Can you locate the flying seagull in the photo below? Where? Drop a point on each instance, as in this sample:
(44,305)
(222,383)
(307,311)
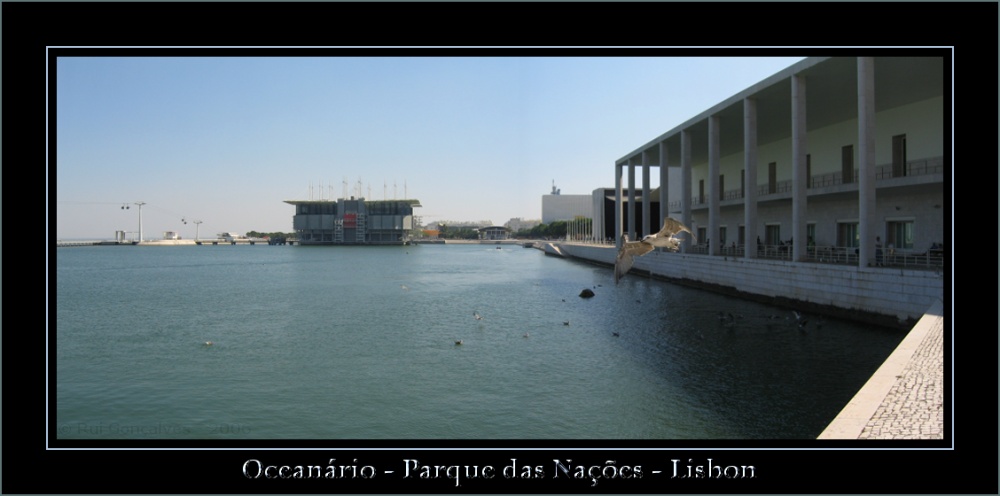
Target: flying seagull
(663,239)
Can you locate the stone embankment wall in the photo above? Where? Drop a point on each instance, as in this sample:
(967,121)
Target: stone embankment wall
(886,296)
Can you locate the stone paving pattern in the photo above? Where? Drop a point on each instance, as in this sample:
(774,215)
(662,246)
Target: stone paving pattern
(904,398)
(914,409)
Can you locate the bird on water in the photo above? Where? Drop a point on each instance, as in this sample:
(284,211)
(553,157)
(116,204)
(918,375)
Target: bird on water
(663,239)
(800,321)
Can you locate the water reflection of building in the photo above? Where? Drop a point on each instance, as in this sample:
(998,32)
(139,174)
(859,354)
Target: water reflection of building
(353,221)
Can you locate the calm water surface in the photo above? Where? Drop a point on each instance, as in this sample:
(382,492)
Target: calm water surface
(359,343)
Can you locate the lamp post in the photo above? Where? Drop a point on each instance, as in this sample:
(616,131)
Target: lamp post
(197,225)
(140,204)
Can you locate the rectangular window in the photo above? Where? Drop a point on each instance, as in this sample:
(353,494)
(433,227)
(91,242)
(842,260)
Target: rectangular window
(847,234)
(899,234)
(701,235)
(722,235)
(772,234)
(772,177)
(899,155)
(743,235)
(743,183)
(722,187)
(811,234)
(701,191)
(847,164)
(809,169)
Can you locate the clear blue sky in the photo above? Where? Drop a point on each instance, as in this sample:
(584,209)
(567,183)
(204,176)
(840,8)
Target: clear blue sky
(227,140)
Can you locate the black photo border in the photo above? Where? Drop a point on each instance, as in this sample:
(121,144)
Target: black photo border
(964,462)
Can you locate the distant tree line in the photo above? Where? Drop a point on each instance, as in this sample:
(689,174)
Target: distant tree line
(271,235)
(556,229)
(448,232)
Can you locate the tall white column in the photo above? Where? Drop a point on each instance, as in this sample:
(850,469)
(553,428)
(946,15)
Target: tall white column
(631,199)
(867,230)
(597,207)
(750,175)
(799,178)
(664,183)
(140,204)
(686,184)
(618,205)
(714,194)
(646,222)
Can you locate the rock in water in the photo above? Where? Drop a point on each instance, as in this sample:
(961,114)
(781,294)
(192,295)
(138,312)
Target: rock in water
(586,293)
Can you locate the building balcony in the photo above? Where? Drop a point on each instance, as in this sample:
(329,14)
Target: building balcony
(932,259)
(928,171)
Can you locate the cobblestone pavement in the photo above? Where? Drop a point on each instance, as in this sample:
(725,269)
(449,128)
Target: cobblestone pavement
(904,399)
(913,409)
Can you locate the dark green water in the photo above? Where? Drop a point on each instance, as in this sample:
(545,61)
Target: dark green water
(359,343)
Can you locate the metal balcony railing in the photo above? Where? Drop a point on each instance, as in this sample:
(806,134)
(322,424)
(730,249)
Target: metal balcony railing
(933,165)
(931,259)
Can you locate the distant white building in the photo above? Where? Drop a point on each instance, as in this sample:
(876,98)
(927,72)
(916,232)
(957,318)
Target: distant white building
(494,233)
(556,206)
(517,223)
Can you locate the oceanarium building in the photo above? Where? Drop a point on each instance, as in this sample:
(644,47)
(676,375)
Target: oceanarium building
(353,221)
(823,183)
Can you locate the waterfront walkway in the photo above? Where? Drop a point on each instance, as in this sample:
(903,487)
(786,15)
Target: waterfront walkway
(904,399)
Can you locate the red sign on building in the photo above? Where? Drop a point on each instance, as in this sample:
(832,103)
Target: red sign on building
(351,220)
